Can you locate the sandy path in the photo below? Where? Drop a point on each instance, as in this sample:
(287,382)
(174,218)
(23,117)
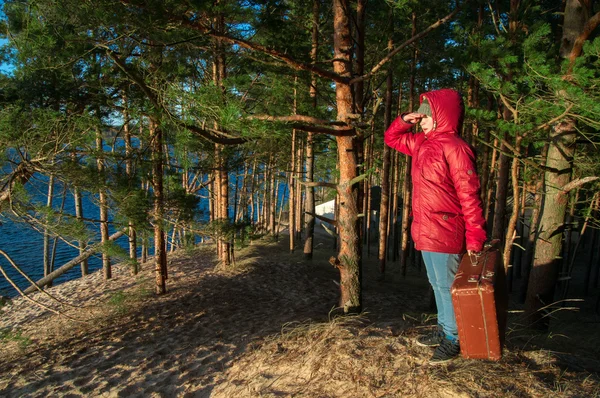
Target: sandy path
(262,329)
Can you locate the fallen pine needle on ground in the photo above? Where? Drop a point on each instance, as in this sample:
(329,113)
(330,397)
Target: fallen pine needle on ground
(267,327)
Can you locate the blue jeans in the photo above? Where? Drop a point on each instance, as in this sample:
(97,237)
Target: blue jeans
(441,269)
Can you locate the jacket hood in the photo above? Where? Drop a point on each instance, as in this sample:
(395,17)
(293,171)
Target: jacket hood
(447,110)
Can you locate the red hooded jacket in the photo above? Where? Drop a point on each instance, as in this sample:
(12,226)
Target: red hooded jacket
(447,210)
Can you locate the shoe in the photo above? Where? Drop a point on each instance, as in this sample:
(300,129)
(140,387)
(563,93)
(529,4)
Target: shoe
(447,351)
(432,339)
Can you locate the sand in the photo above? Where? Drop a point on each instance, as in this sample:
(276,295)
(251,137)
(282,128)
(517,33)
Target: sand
(262,328)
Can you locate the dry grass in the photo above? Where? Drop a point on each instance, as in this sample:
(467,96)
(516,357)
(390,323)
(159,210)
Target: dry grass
(265,328)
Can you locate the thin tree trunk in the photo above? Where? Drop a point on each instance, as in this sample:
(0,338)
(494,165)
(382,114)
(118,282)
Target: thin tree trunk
(299,196)
(46,232)
(406,186)
(518,252)
(292,195)
(384,205)
(130,176)
(310,211)
(272,198)
(396,195)
(514,217)
(490,186)
(90,251)
(106,266)
(160,249)
(79,216)
(309,220)
(251,193)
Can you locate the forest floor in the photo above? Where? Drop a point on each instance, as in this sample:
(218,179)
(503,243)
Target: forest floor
(265,328)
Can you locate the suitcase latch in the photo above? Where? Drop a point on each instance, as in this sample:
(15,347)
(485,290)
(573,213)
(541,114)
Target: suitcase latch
(474,278)
(489,274)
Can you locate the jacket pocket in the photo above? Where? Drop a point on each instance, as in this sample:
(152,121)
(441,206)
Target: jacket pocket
(447,227)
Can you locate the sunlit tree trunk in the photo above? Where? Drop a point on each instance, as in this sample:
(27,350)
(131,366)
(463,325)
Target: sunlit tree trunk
(348,260)
(309,214)
(160,247)
(544,273)
(103,203)
(46,248)
(130,176)
(79,216)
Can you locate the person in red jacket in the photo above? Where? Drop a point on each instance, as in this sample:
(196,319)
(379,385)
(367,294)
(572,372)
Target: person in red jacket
(446,206)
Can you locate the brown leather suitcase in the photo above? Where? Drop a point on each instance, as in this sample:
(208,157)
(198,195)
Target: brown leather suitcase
(480,300)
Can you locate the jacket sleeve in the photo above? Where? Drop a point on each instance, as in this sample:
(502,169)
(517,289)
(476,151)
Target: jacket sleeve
(398,136)
(461,162)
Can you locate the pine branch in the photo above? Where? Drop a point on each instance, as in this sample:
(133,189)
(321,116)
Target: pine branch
(21,175)
(311,124)
(589,27)
(298,65)
(322,218)
(37,303)
(577,183)
(338,132)
(297,118)
(413,39)
(216,136)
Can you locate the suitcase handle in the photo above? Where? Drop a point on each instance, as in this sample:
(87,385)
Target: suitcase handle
(487,246)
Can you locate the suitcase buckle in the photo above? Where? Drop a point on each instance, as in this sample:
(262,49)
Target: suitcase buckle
(474,278)
(475,258)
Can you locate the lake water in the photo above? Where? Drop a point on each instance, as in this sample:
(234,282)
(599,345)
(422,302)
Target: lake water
(25,245)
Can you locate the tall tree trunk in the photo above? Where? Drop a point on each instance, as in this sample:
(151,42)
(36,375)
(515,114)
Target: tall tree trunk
(358,99)
(384,205)
(544,272)
(160,248)
(546,265)
(272,197)
(348,260)
(534,228)
(501,193)
(292,195)
(254,176)
(511,230)
(224,246)
(299,194)
(309,213)
(406,185)
(503,160)
(399,164)
(106,266)
(309,219)
(222,204)
(130,177)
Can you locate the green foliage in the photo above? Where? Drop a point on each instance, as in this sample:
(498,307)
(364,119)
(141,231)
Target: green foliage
(121,301)
(117,302)
(15,335)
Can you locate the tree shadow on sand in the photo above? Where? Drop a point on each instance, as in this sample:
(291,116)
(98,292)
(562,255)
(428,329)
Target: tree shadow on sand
(212,319)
